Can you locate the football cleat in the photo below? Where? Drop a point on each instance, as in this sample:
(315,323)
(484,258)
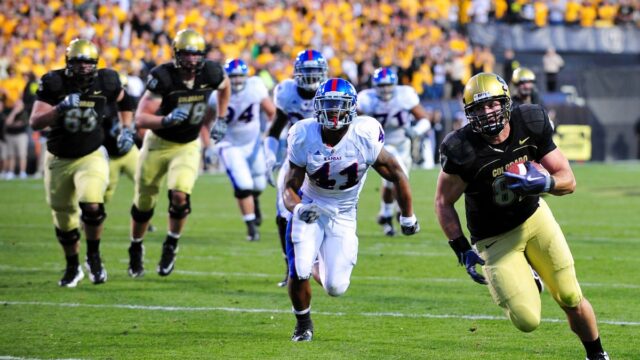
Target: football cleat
(72,276)
(151,228)
(136,260)
(538,280)
(284,281)
(252,231)
(167,260)
(302,333)
(599,356)
(387,225)
(97,272)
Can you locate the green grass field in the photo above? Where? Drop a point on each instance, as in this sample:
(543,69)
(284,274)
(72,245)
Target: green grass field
(408,299)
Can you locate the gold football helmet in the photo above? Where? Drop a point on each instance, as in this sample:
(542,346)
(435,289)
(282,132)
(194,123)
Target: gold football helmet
(480,93)
(522,74)
(82,61)
(189,50)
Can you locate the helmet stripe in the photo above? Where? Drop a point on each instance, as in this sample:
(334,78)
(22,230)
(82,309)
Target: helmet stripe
(310,54)
(334,84)
(384,72)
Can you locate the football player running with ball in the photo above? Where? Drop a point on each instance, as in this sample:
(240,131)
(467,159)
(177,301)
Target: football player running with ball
(510,224)
(329,156)
(174,107)
(72,103)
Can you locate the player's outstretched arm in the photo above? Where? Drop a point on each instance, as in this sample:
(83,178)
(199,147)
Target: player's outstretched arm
(224,94)
(292,182)
(148,106)
(387,166)
(448,190)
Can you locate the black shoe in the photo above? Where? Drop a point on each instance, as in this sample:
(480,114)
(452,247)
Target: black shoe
(151,228)
(387,225)
(168,259)
(72,276)
(252,231)
(302,333)
(136,260)
(599,356)
(538,280)
(97,272)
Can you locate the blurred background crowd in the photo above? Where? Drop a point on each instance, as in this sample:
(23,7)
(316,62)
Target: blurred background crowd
(427,41)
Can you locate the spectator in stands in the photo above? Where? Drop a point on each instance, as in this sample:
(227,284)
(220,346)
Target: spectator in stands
(17,134)
(552,63)
(625,12)
(557,9)
(509,65)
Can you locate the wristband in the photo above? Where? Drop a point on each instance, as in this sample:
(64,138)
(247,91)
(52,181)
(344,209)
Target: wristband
(460,245)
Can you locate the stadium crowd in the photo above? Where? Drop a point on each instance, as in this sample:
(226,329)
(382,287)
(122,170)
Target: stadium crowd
(424,40)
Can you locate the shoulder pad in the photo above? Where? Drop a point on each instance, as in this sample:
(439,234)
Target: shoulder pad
(110,79)
(213,73)
(455,148)
(407,96)
(369,128)
(533,117)
(159,78)
(52,81)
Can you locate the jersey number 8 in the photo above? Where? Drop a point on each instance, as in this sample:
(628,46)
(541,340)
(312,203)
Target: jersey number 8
(196,111)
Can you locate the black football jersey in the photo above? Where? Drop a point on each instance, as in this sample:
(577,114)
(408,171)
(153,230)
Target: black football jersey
(492,208)
(79,131)
(165,80)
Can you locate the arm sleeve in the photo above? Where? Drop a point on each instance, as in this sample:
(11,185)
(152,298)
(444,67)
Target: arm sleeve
(127,103)
(157,82)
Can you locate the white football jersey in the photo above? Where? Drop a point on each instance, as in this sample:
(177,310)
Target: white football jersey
(335,175)
(287,99)
(244,112)
(394,115)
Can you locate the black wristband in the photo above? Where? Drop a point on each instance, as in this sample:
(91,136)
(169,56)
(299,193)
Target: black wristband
(460,245)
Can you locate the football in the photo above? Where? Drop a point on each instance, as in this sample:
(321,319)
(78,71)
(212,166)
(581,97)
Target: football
(520,169)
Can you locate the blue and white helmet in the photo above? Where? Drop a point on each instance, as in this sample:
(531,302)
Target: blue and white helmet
(385,81)
(310,69)
(335,103)
(237,71)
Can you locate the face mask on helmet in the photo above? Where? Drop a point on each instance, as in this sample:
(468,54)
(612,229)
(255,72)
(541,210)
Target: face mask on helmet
(335,104)
(189,51)
(237,71)
(82,62)
(385,81)
(488,117)
(487,103)
(310,69)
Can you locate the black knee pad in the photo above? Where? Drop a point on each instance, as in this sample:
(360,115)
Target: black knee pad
(68,238)
(140,216)
(242,194)
(179,211)
(90,216)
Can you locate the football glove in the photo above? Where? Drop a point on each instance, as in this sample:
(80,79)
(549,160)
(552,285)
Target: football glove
(175,117)
(219,129)
(69,102)
(124,141)
(409,225)
(534,182)
(209,155)
(468,257)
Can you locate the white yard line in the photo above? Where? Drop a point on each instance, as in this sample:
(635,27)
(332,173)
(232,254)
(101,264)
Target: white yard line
(281,311)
